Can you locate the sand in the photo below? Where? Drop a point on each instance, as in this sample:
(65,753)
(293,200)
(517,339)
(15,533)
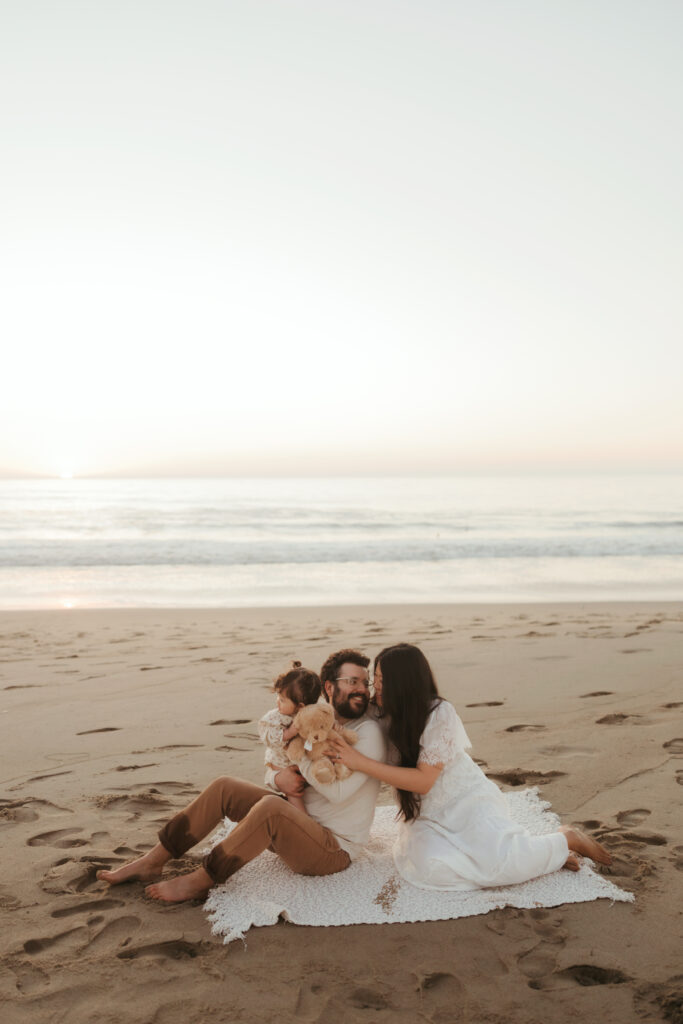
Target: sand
(112,720)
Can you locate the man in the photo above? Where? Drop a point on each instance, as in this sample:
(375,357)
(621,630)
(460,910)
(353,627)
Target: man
(322,841)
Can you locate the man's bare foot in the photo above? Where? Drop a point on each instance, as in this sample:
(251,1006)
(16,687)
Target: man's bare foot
(579,842)
(184,887)
(572,863)
(144,869)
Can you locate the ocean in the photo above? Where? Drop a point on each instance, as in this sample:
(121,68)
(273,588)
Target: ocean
(274,542)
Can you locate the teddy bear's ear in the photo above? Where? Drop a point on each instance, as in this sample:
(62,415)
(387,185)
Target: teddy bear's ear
(327,716)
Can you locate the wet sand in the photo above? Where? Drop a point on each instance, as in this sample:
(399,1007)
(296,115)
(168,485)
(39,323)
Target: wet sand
(113,720)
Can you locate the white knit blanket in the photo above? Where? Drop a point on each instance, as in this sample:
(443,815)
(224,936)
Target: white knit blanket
(371,892)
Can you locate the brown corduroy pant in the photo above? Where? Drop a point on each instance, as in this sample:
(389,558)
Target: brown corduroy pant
(265,822)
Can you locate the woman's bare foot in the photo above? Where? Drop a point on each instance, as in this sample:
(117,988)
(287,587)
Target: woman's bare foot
(579,842)
(572,863)
(144,869)
(184,887)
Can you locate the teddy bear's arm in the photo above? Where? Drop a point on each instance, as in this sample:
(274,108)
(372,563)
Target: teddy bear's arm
(295,749)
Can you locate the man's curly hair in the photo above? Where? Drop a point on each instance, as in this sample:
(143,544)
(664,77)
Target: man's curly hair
(328,673)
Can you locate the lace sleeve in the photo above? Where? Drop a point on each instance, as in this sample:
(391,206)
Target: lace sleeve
(444,737)
(271,727)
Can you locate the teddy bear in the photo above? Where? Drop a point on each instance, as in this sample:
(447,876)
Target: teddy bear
(314,723)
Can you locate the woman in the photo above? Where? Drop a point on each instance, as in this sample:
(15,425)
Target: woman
(455,830)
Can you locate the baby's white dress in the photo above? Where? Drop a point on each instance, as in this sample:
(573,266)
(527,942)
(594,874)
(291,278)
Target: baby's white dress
(464,837)
(270,730)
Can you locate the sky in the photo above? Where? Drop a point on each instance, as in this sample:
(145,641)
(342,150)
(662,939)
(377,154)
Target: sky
(350,236)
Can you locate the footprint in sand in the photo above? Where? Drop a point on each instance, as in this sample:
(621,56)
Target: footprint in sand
(661,1000)
(598,693)
(564,751)
(106,728)
(60,839)
(673,704)
(171,788)
(114,935)
(179,746)
(135,767)
(174,949)
(633,817)
(525,728)
(231,721)
(367,999)
(87,907)
(313,999)
(627,849)
(486,704)
(615,719)
(520,777)
(591,974)
(135,802)
(30,978)
(548,925)
(72,939)
(642,838)
(28,809)
(440,987)
(9,902)
(626,866)
(136,805)
(71,876)
(140,799)
(49,775)
(677,857)
(489,964)
(537,964)
(674,746)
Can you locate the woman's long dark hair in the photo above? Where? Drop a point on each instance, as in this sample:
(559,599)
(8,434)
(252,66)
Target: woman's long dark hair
(408,693)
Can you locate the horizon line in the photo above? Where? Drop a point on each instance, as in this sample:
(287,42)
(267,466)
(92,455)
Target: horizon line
(414,475)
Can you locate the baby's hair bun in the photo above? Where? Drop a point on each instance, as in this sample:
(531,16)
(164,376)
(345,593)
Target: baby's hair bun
(296,664)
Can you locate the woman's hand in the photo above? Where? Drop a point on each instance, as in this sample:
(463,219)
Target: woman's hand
(342,752)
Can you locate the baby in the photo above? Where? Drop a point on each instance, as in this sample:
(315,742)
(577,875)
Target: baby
(294,689)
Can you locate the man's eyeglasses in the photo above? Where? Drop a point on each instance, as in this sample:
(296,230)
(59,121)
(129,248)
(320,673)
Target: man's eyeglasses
(367,683)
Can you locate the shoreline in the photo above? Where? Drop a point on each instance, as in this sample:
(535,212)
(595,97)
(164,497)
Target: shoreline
(115,718)
(366,607)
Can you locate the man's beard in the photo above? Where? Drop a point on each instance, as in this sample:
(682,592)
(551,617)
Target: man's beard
(348,709)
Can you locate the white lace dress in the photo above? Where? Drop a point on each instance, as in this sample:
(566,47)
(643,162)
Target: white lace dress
(464,838)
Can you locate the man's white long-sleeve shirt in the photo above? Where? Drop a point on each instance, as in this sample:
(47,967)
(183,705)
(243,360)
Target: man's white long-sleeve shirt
(347,807)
